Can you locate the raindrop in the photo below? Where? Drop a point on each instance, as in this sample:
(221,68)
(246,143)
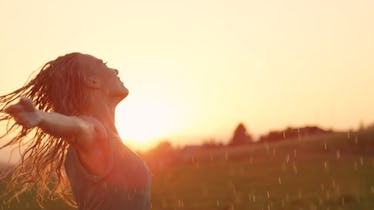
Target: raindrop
(288,158)
(180,203)
(324,145)
(268,194)
(279,180)
(372,189)
(226,155)
(361,161)
(294,168)
(337,154)
(217,202)
(325,165)
(356,140)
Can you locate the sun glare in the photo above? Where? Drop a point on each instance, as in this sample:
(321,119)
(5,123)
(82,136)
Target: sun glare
(142,124)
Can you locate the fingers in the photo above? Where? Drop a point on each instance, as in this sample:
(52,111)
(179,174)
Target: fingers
(24,104)
(27,103)
(13,109)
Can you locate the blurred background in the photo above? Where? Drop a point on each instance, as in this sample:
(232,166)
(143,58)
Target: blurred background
(233,77)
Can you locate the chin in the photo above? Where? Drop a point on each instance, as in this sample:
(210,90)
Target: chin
(124,93)
(119,94)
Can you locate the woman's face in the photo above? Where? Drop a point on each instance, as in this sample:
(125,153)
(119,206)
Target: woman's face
(106,78)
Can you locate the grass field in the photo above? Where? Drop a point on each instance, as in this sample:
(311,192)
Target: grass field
(335,171)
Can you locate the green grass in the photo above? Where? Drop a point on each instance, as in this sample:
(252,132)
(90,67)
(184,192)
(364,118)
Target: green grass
(324,172)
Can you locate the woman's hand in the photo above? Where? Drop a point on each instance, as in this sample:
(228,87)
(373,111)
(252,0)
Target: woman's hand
(24,113)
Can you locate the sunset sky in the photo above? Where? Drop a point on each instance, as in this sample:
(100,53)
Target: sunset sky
(197,68)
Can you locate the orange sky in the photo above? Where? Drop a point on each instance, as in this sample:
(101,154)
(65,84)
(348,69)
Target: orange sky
(197,68)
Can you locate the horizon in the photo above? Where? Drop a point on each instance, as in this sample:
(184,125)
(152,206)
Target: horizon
(11,155)
(196,69)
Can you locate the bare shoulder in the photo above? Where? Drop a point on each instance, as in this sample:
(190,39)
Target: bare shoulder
(95,134)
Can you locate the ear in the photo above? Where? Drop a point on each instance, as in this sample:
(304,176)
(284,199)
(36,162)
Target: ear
(92,82)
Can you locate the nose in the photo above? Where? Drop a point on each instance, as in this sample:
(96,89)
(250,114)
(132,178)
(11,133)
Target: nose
(115,71)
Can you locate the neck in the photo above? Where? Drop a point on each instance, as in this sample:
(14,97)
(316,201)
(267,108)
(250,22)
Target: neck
(105,113)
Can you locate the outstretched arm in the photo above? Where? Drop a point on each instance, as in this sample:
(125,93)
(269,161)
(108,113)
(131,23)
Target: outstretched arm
(59,125)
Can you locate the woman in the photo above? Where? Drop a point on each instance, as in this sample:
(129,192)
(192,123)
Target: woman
(72,123)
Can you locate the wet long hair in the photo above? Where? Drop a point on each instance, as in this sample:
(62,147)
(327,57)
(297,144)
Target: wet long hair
(57,87)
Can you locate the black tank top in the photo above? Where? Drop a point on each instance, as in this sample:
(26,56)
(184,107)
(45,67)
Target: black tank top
(124,186)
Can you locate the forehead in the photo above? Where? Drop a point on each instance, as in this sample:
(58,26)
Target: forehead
(90,63)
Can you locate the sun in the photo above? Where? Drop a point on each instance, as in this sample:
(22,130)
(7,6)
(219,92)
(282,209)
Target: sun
(141,124)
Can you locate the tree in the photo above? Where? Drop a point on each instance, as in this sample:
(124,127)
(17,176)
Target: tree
(240,136)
